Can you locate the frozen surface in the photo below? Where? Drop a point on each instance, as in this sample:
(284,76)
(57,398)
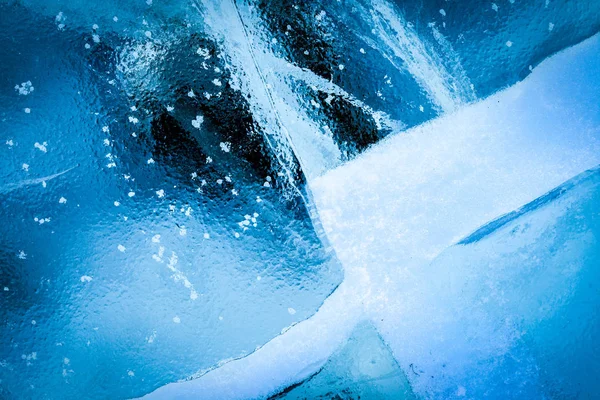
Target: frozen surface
(512,307)
(364,368)
(136,241)
(392,211)
(159,162)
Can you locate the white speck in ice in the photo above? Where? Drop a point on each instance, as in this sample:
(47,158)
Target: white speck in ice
(43,183)
(95,26)
(258,278)
(509,43)
(150,161)
(203,52)
(196,123)
(6,289)
(225,146)
(27,110)
(41,146)
(176,319)
(33,322)
(220,318)
(133,120)
(87,46)
(25,88)
(421,109)
(131,194)
(291,311)
(362,50)
(550,26)
(148,34)
(96,38)
(121,248)
(206,236)
(105,129)
(25,167)
(495,7)
(66,361)
(220,181)
(22,255)
(115,18)
(152,337)
(237,235)
(183,231)
(443,12)
(117,204)
(234,192)
(85,278)
(191,93)
(160,193)
(266,184)
(461,391)
(156,238)
(130,373)
(209,160)
(10,143)
(320,15)
(216,82)
(62,200)
(341,67)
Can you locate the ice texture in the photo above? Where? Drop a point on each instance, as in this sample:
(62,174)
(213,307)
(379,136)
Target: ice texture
(165,168)
(390,213)
(364,368)
(136,250)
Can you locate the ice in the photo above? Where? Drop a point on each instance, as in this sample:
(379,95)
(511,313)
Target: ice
(513,305)
(140,245)
(194,145)
(390,214)
(364,368)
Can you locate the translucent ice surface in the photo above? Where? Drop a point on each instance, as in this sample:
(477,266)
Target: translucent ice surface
(364,368)
(144,238)
(392,213)
(246,198)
